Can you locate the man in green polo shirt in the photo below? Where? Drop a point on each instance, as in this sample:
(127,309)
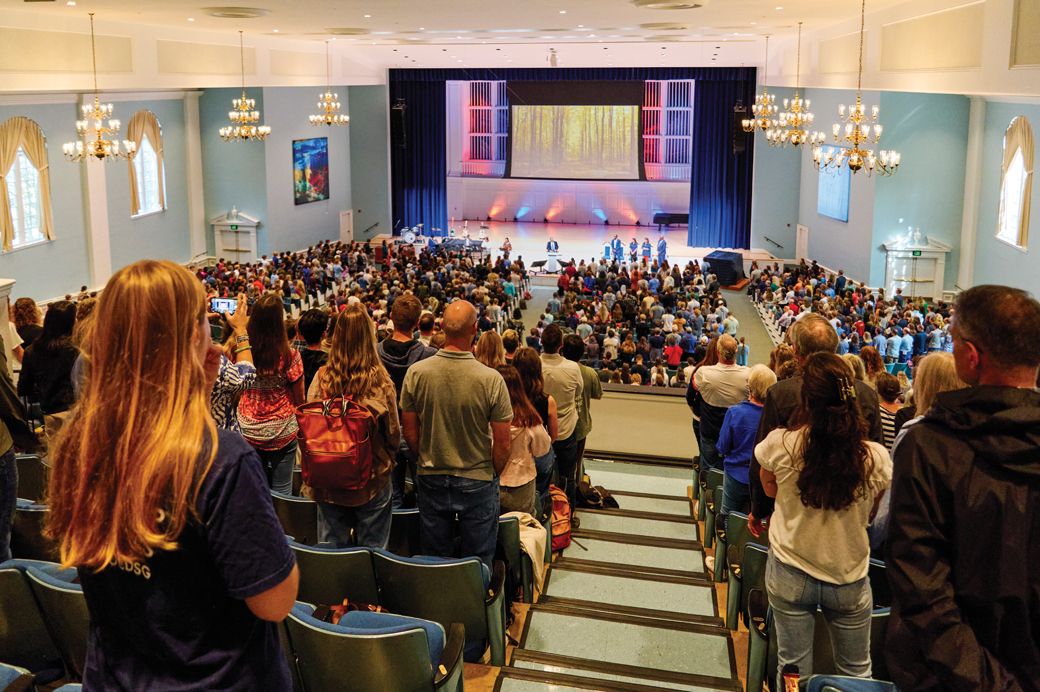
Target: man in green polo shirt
(455,411)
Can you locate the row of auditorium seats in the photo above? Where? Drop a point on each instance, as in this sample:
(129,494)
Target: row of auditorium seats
(740,561)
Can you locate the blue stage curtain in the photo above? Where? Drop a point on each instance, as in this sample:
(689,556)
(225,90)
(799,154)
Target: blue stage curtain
(419,189)
(720,189)
(721,181)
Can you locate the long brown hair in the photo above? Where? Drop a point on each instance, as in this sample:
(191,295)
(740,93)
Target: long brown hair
(129,463)
(872,362)
(267,335)
(529,365)
(354,368)
(524,414)
(836,461)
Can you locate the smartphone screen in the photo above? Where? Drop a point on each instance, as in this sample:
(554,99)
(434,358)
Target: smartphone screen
(223,305)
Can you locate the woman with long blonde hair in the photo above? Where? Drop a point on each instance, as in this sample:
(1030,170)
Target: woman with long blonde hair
(180,554)
(490,350)
(355,371)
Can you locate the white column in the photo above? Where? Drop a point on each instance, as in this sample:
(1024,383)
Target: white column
(99,247)
(196,194)
(972,190)
(5,292)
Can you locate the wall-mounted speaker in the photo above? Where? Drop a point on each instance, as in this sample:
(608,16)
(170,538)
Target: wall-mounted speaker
(398,122)
(738,135)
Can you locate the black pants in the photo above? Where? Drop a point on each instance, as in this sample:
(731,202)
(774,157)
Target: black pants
(567,465)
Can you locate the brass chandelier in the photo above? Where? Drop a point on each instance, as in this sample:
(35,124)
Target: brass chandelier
(244,116)
(98,130)
(764,110)
(328,102)
(793,123)
(858,132)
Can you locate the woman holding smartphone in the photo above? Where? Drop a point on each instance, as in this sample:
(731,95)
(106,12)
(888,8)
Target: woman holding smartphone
(183,563)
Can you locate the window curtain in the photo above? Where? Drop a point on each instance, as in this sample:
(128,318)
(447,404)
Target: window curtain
(141,124)
(720,182)
(1019,135)
(23,132)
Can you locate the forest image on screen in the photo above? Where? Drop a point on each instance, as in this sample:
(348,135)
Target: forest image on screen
(586,142)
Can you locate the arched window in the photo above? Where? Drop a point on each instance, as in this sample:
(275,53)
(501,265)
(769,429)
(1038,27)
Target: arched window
(147,173)
(1016,183)
(25,208)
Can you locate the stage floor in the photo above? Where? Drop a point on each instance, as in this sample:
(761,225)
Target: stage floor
(580,242)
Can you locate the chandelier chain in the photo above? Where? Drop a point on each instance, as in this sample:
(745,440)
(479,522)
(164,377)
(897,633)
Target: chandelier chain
(798,61)
(93,52)
(242,60)
(862,24)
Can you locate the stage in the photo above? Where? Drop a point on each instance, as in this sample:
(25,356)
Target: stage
(579,241)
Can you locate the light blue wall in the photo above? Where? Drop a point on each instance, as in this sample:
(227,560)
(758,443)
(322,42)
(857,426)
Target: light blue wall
(157,236)
(927,191)
(775,194)
(58,267)
(292,227)
(369,159)
(832,243)
(233,173)
(995,261)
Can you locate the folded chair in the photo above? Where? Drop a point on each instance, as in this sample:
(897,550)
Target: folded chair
(448,590)
(24,639)
(404,532)
(518,563)
(328,575)
(27,539)
(375,651)
(32,477)
(65,612)
(737,538)
(299,517)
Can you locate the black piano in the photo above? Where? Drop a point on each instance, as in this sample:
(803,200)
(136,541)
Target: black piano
(666,219)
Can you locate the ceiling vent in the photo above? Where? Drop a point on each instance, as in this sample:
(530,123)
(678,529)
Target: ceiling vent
(664,26)
(347,31)
(235,12)
(670,4)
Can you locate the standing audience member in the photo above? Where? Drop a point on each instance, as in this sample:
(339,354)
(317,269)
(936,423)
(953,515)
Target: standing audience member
(354,371)
(592,388)
(47,367)
(528,439)
(962,553)
(183,563)
(737,440)
(267,411)
(456,418)
(872,364)
(809,335)
(489,349)
(311,327)
(510,342)
(237,372)
(529,365)
(888,390)
(934,374)
(27,320)
(720,386)
(564,382)
(827,478)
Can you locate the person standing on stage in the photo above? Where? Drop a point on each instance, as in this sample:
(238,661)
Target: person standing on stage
(662,250)
(507,247)
(618,248)
(633,250)
(647,250)
(552,245)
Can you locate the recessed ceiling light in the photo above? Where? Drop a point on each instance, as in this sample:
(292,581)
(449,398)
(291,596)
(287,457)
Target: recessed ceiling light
(71,3)
(190,19)
(563,11)
(779,7)
(581,26)
(458,61)
(754,23)
(235,12)
(368,16)
(422,28)
(275,30)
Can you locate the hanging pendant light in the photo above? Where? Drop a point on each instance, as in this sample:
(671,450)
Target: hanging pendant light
(244,116)
(764,110)
(98,130)
(795,119)
(328,102)
(856,131)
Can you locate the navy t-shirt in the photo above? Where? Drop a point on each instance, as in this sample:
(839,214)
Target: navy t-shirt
(178,620)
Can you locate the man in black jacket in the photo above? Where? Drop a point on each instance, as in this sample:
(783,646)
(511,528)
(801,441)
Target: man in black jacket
(963,550)
(811,334)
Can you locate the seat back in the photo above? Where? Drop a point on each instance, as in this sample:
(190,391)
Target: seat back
(15,679)
(509,547)
(333,658)
(753,566)
(737,536)
(299,517)
(404,532)
(32,477)
(444,591)
(24,639)
(879,586)
(842,683)
(328,575)
(878,631)
(713,478)
(27,539)
(65,612)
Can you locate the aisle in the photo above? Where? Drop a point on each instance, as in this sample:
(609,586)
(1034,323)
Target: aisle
(629,602)
(751,327)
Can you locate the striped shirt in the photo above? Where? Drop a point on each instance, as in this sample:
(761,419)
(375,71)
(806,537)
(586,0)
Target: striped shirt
(888,427)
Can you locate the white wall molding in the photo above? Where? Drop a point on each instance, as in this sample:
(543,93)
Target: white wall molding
(973,175)
(95,200)
(197,226)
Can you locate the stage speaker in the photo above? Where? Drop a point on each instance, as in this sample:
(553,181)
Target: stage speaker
(398,120)
(737,129)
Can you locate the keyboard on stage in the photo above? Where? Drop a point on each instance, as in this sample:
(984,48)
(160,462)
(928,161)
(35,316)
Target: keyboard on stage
(665,219)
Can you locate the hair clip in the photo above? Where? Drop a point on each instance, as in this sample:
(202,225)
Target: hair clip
(846,390)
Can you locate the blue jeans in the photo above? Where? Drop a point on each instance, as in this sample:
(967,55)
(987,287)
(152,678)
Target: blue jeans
(371,521)
(473,504)
(710,457)
(736,497)
(794,597)
(8,500)
(278,465)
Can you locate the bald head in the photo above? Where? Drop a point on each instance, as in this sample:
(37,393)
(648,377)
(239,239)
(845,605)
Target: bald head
(459,324)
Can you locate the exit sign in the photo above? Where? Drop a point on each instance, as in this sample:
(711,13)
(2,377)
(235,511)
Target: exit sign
(915,253)
(234,227)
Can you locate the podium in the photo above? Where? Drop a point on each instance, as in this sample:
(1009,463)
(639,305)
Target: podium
(552,263)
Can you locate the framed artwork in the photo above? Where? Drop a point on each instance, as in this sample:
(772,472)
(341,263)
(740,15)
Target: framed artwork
(310,170)
(833,192)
